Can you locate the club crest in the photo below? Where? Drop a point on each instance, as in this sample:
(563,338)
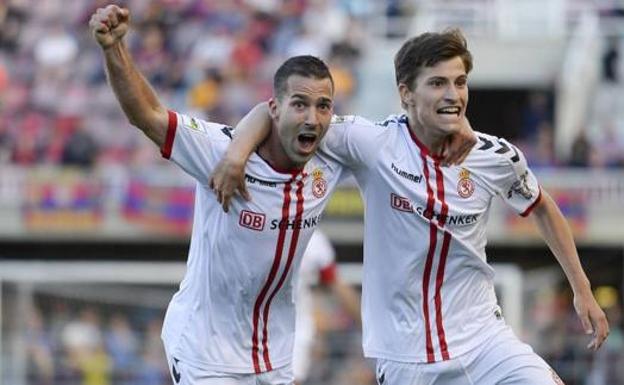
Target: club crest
(465,185)
(319,185)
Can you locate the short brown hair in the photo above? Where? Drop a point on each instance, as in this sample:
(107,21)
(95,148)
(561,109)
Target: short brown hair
(426,50)
(304,65)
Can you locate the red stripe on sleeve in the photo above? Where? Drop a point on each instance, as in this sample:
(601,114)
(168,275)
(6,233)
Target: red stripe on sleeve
(526,212)
(327,274)
(165,151)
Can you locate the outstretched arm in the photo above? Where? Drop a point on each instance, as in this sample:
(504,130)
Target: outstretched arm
(229,175)
(137,99)
(554,228)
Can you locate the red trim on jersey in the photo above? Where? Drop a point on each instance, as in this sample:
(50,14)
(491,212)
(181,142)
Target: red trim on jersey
(440,184)
(526,212)
(430,201)
(276,262)
(165,151)
(291,256)
(327,274)
(293,170)
(438,295)
(421,145)
(425,288)
(429,262)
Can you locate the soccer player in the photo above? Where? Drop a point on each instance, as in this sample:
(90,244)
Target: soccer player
(233,319)
(429,310)
(317,266)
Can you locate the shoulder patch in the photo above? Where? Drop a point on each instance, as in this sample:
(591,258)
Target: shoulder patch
(337,119)
(192,123)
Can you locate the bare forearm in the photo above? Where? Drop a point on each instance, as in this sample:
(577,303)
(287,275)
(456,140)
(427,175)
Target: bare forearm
(137,99)
(556,232)
(250,132)
(349,299)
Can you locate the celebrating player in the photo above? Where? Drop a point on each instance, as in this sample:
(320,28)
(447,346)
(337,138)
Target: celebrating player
(318,265)
(233,318)
(429,310)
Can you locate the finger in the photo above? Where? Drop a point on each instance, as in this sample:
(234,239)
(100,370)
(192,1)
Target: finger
(112,19)
(97,24)
(587,326)
(123,14)
(243,192)
(226,205)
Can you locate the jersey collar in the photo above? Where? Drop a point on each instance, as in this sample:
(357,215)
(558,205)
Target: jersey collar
(421,146)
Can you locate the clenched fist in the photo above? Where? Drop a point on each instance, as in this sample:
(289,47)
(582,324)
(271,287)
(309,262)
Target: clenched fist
(109,25)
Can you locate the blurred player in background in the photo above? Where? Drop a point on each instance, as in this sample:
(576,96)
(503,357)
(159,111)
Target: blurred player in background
(233,319)
(429,309)
(317,266)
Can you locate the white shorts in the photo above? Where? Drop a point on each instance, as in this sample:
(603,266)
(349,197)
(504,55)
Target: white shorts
(502,360)
(183,374)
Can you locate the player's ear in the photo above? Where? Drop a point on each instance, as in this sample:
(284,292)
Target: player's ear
(274,108)
(406,95)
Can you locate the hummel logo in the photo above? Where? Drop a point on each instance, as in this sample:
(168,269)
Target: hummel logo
(176,374)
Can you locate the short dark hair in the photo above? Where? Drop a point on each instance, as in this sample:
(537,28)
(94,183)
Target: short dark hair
(427,50)
(304,65)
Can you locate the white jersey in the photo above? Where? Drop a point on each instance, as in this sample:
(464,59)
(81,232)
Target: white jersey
(428,292)
(234,311)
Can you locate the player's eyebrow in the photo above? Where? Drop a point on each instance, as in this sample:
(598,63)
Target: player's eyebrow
(322,99)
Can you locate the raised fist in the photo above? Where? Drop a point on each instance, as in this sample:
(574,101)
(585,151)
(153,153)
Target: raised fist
(109,25)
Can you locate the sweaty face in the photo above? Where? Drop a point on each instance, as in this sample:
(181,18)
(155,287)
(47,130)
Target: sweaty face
(438,98)
(302,116)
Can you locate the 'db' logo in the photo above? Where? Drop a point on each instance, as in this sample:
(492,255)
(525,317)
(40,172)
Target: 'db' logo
(252,220)
(400,203)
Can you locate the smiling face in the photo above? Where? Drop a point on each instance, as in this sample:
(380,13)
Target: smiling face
(301,116)
(436,101)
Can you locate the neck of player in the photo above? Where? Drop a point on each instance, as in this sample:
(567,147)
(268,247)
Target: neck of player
(432,139)
(272,151)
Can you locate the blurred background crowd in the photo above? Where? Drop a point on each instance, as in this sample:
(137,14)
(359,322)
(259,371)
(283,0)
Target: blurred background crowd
(214,59)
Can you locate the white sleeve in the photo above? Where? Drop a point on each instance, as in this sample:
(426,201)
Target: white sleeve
(195,145)
(509,175)
(351,140)
(320,251)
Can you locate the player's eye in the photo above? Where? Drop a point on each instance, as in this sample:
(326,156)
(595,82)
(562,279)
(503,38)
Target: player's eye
(324,107)
(436,82)
(298,104)
(461,82)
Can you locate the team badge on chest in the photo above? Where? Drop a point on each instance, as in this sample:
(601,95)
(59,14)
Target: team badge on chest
(319,185)
(465,185)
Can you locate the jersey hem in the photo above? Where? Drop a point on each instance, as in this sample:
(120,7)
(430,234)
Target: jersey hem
(453,352)
(237,369)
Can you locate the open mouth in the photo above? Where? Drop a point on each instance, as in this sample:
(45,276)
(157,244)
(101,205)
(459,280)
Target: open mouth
(454,110)
(307,140)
